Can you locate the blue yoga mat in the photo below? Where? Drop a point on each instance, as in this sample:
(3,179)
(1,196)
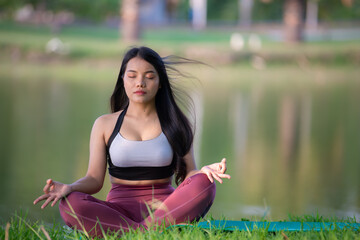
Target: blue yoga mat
(225,225)
(277,226)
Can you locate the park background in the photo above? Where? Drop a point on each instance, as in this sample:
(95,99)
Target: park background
(280,99)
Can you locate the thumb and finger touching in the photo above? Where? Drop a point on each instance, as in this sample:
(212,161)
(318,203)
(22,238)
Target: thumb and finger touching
(52,192)
(49,184)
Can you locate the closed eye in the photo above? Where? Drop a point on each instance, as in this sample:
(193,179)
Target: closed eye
(131,76)
(150,76)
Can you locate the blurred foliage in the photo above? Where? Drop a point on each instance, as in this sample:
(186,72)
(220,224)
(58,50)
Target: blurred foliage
(96,10)
(336,10)
(271,10)
(224,10)
(267,10)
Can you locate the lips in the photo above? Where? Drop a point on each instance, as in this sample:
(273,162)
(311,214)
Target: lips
(140,92)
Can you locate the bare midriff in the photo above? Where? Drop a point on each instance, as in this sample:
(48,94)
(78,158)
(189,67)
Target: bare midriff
(138,182)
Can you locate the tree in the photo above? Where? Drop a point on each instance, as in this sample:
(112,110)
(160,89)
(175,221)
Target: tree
(199,13)
(312,13)
(129,13)
(245,11)
(293,20)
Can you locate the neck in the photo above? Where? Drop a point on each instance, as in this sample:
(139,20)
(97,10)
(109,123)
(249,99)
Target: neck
(141,110)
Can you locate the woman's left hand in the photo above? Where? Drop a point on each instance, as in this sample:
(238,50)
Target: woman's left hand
(216,170)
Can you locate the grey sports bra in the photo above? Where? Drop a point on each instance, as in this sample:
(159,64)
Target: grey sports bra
(138,160)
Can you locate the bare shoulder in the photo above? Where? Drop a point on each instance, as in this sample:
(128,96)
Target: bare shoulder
(107,120)
(106,123)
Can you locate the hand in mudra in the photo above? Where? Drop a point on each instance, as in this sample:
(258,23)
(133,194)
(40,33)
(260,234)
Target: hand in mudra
(216,170)
(53,191)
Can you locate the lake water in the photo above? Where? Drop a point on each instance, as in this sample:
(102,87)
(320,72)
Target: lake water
(291,136)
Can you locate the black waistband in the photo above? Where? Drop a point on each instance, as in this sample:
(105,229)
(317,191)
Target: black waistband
(141,173)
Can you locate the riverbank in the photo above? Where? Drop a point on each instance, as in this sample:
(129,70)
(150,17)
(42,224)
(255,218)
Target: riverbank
(39,44)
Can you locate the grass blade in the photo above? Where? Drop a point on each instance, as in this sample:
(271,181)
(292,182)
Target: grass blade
(45,232)
(28,225)
(7,231)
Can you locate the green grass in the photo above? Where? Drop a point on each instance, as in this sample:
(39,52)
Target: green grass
(20,227)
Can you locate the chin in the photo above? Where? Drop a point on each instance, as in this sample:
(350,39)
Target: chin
(141,101)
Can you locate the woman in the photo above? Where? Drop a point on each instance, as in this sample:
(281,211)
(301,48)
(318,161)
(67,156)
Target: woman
(145,140)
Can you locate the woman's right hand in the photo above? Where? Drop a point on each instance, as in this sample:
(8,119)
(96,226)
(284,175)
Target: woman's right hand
(53,191)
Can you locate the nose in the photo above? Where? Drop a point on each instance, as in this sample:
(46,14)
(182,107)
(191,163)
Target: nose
(141,83)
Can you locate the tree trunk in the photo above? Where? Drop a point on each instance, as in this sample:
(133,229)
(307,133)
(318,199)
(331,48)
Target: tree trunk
(312,14)
(293,20)
(245,10)
(199,10)
(171,6)
(130,27)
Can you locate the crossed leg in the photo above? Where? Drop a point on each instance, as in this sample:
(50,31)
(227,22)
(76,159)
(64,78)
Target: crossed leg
(86,213)
(190,201)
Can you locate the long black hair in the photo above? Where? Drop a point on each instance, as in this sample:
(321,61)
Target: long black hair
(173,121)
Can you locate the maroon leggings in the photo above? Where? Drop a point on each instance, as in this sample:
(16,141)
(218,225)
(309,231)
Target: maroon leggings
(131,207)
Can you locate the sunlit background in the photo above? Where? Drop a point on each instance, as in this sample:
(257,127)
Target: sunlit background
(280,99)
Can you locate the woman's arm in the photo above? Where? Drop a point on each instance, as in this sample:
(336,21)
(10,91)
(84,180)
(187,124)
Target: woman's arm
(94,178)
(190,163)
(215,170)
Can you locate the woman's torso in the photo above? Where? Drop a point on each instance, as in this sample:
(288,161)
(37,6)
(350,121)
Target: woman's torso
(136,132)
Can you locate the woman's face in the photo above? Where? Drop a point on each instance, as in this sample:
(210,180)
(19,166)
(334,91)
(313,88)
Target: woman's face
(141,81)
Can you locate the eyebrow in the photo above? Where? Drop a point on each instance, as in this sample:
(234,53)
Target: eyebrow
(150,71)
